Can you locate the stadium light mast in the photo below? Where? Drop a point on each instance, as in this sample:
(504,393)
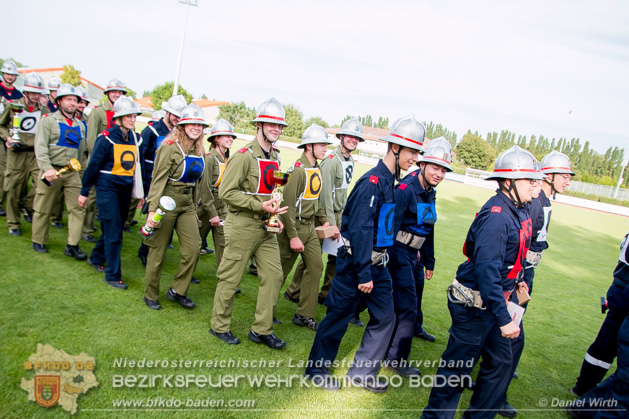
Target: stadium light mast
(188,3)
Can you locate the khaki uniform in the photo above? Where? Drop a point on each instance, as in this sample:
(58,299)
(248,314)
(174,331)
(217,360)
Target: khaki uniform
(336,172)
(244,188)
(56,143)
(100,119)
(211,204)
(301,195)
(178,176)
(20,162)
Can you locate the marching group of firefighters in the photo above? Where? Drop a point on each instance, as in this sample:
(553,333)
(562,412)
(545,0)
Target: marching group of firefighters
(380,237)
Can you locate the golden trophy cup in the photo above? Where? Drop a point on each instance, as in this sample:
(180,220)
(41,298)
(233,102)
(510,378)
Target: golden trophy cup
(166,203)
(17,109)
(73,166)
(279,179)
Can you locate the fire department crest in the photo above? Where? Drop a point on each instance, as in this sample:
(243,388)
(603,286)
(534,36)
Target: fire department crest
(47,389)
(60,378)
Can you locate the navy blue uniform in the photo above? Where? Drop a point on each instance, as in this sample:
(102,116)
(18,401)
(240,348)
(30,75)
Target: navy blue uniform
(110,169)
(496,246)
(152,137)
(52,106)
(600,355)
(611,398)
(10,94)
(415,213)
(540,210)
(368,224)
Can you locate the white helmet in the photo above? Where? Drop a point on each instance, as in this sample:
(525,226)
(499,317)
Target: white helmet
(192,114)
(352,127)
(438,152)
(407,132)
(175,105)
(115,84)
(126,106)
(556,162)
(54,84)
(34,83)
(516,163)
(314,134)
(271,111)
(157,115)
(67,90)
(220,128)
(9,67)
(83,93)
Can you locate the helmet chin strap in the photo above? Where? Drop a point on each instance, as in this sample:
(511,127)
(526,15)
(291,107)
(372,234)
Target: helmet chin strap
(397,162)
(264,135)
(427,186)
(508,191)
(552,185)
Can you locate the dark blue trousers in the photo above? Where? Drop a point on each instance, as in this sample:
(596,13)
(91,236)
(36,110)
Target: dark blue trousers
(401,266)
(418,273)
(600,355)
(113,202)
(611,398)
(473,332)
(342,301)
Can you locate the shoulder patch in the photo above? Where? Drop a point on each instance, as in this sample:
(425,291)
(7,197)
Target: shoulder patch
(105,133)
(45,115)
(297,164)
(331,156)
(402,186)
(414,173)
(277,150)
(496,209)
(169,142)
(373,179)
(242,150)
(151,123)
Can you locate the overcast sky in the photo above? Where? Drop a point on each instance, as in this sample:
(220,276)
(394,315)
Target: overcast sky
(479,65)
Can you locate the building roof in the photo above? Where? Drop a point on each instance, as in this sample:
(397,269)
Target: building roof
(144,102)
(27,70)
(206,103)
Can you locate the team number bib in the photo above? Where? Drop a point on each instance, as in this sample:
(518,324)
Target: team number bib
(124,160)
(265,176)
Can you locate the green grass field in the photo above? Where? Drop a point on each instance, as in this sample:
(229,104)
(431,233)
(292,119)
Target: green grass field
(53,299)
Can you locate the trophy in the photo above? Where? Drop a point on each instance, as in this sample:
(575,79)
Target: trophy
(73,166)
(17,109)
(278,178)
(166,203)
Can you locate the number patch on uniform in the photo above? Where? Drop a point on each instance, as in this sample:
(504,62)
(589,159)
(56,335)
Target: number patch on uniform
(313,183)
(124,160)
(69,136)
(265,174)
(384,237)
(426,218)
(221,170)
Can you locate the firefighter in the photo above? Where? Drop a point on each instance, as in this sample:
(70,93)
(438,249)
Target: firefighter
(477,298)
(362,277)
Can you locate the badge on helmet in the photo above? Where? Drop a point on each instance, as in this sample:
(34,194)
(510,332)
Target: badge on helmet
(438,152)
(192,114)
(34,83)
(352,127)
(271,111)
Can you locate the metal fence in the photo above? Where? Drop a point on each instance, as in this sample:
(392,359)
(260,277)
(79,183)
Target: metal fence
(598,190)
(575,186)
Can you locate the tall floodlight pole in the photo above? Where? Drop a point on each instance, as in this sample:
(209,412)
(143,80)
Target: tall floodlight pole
(620,179)
(188,3)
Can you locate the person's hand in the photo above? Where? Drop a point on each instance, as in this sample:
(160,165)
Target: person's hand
(366,287)
(82,201)
(428,274)
(9,142)
(296,245)
(149,220)
(419,256)
(141,203)
(50,175)
(337,233)
(281,225)
(272,206)
(215,221)
(522,285)
(510,330)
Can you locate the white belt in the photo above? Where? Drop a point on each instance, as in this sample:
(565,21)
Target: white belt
(460,294)
(377,258)
(410,239)
(533,259)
